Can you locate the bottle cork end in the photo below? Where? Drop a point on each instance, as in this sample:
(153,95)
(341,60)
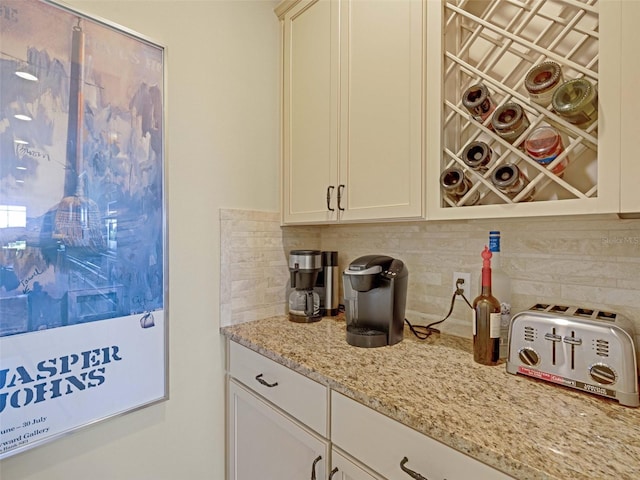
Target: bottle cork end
(486,257)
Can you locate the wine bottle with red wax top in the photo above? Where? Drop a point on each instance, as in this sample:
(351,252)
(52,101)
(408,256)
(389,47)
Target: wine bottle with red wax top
(486,319)
(501,289)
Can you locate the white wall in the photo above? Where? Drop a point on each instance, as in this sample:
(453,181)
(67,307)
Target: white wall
(222,141)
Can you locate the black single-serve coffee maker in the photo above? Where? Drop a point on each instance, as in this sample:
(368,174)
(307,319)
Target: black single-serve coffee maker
(375,295)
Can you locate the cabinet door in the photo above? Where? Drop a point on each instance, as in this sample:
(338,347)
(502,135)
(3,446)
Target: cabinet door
(629,193)
(345,469)
(263,443)
(310,112)
(381,108)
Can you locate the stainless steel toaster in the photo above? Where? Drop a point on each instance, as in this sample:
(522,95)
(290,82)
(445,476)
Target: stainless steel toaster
(589,350)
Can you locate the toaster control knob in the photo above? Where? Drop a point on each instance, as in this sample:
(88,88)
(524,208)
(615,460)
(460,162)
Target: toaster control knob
(529,356)
(603,374)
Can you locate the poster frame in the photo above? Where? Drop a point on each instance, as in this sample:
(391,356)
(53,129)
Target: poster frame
(144,318)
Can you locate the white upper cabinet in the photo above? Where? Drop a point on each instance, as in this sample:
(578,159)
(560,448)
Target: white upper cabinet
(352,110)
(310,112)
(630,124)
(496,44)
(373,95)
(381,98)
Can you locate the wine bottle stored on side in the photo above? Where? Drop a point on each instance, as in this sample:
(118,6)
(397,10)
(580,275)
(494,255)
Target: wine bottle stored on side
(486,319)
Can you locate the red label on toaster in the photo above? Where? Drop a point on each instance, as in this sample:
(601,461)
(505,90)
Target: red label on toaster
(549,377)
(567,382)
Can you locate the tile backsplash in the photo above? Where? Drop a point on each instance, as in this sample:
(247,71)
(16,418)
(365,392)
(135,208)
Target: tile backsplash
(253,264)
(591,261)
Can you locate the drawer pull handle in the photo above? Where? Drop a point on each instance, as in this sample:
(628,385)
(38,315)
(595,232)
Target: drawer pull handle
(264,382)
(340,190)
(411,473)
(313,467)
(333,472)
(329,190)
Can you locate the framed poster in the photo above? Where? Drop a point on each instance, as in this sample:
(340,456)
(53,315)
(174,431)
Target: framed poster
(83,222)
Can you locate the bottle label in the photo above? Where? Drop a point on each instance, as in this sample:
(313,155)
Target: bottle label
(546,160)
(579,118)
(474,323)
(494,242)
(494,324)
(543,98)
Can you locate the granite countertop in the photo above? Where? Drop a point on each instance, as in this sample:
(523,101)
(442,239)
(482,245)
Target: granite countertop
(527,428)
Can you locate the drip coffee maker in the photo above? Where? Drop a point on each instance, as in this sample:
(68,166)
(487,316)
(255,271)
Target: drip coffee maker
(304,302)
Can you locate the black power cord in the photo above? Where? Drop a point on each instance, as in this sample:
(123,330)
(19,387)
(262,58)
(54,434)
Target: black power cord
(424,331)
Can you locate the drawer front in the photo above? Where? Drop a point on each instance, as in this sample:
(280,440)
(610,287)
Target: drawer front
(294,393)
(381,443)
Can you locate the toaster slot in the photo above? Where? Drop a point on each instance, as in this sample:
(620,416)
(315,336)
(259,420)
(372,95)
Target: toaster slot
(540,306)
(559,308)
(611,317)
(584,312)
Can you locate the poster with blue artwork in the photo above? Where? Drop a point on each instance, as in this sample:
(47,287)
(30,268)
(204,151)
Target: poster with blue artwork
(83,259)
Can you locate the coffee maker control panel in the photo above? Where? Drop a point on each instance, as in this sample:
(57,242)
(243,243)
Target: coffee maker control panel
(394,269)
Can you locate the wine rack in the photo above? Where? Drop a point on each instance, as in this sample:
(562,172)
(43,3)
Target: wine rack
(496,42)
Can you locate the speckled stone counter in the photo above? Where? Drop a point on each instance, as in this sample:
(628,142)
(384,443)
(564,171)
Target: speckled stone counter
(526,428)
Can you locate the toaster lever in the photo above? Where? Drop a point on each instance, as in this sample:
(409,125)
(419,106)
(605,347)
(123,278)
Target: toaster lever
(573,340)
(553,337)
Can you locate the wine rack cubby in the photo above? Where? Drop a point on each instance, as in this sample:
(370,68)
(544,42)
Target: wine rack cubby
(496,43)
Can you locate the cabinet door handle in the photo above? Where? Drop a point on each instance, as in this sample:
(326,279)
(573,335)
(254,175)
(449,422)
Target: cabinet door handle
(313,467)
(411,473)
(340,190)
(333,472)
(264,382)
(329,191)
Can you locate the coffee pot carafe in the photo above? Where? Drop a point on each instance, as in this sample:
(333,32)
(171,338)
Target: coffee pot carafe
(304,302)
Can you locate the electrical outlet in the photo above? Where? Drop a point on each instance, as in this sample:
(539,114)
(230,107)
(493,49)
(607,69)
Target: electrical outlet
(466,285)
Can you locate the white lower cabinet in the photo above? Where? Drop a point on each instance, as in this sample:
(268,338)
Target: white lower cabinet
(263,443)
(396,451)
(278,429)
(276,420)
